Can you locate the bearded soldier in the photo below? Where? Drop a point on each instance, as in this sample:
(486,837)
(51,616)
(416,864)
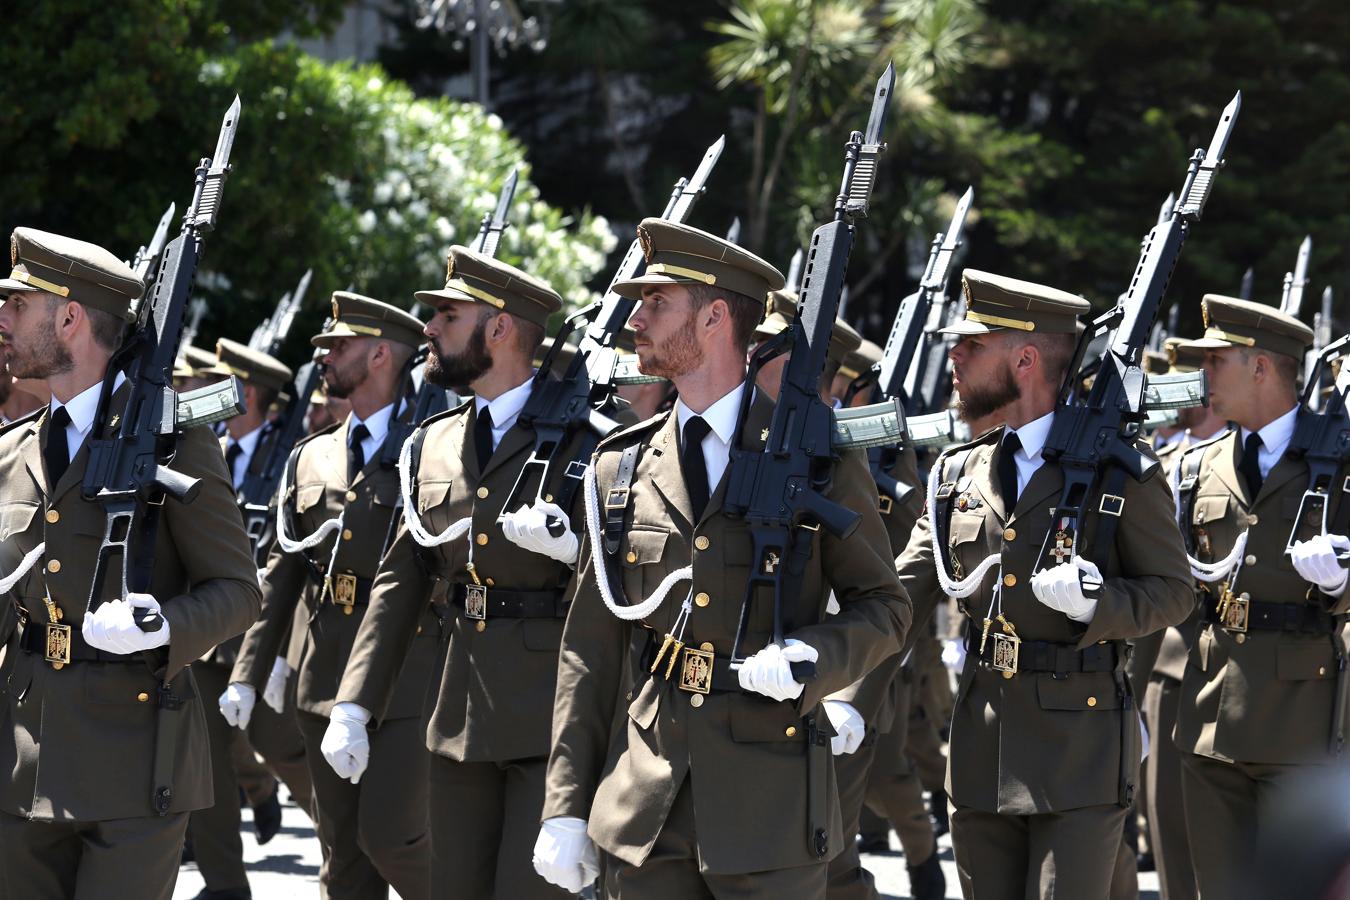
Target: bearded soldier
(337,502)
(78,735)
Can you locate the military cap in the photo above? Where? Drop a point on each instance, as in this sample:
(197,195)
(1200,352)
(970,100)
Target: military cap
(197,359)
(358,316)
(477,278)
(1233,322)
(779,312)
(1183,355)
(249,365)
(861,360)
(998,303)
(73,269)
(679,254)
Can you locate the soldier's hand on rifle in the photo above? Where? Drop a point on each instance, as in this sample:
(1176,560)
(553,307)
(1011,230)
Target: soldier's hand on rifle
(274,694)
(564,856)
(769,672)
(529,529)
(849,727)
(1316,562)
(346,744)
(954,654)
(236,704)
(1065,588)
(112,627)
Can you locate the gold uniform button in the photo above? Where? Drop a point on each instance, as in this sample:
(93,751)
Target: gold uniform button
(489,582)
(1250,560)
(53,517)
(631,557)
(702,599)
(1092,701)
(346,534)
(1009,674)
(480,625)
(482,493)
(696,701)
(702,542)
(54,566)
(1240,638)
(1009,580)
(1251,520)
(628,696)
(1244,596)
(419,629)
(482,540)
(791,731)
(1321,670)
(1010,534)
(143,696)
(351,496)
(706,645)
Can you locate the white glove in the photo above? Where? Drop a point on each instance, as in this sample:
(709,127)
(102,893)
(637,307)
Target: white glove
(848,726)
(236,704)
(345,744)
(954,654)
(564,856)
(1315,562)
(769,672)
(527,528)
(1061,588)
(274,694)
(112,627)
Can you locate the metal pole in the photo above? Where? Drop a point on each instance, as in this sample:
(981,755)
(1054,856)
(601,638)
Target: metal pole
(478,54)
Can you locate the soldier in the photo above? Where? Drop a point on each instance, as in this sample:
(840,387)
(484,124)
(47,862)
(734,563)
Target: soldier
(499,579)
(338,500)
(652,729)
(1044,738)
(1258,691)
(214,832)
(78,735)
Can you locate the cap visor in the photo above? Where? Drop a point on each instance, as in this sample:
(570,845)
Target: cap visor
(632,288)
(1208,343)
(339,330)
(13,285)
(430,297)
(966,327)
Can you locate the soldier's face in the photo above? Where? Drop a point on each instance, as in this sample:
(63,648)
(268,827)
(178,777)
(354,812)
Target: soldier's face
(1230,382)
(346,365)
(665,333)
(982,374)
(28,324)
(457,344)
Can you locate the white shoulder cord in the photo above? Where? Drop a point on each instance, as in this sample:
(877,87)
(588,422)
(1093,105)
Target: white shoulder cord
(410,516)
(289,544)
(25,564)
(971,583)
(1207,572)
(626,613)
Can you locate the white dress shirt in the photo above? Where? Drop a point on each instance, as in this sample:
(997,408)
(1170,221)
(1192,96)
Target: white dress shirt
(1028,458)
(505,409)
(1275,439)
(248,445)
(721,419)
(377,425)
(82,409)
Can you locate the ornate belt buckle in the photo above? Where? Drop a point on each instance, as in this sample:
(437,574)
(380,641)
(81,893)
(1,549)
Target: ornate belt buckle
(475,601)
(1006,647)
(344,592)
(696,671)
(1237,613)
(58,645)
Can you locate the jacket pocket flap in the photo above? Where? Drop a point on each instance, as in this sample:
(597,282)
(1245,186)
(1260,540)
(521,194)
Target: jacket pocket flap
(643,710)
(1305,661)
(431,494)
(646,545)
(759,720)
(1084,692)
(964,528)
(16,516)
(1210,509)
(307,495)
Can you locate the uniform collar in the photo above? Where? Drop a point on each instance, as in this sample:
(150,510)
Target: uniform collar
(1033,435)
(83,406)
(1276,434)
(721,416)
(377,424)
(505,407)
(249,442)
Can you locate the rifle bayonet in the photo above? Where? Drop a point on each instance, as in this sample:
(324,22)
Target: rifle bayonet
(1245,289)
(1296,282)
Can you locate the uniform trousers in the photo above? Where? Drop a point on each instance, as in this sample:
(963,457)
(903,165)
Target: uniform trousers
(1048,856)
(847,879)
(374,833)
(672,870)
(108,860)
(484,821)
(1166,814)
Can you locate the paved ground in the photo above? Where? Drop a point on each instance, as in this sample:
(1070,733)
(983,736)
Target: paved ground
(288,867)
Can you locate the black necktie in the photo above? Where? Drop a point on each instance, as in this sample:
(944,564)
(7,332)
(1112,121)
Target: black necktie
(1007,470)
(356,459)
(482,437)
(694,465)
(232,451)
(57,451)
(1250,466)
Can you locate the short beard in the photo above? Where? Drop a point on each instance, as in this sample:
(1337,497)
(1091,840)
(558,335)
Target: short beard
(44,357)
(458,372)
(341,382)
(678,356)
(978,403)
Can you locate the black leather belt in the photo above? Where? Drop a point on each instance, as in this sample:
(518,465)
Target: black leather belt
(33,639)
(494,602)
(1262,615)
(689,667)
(1042,656)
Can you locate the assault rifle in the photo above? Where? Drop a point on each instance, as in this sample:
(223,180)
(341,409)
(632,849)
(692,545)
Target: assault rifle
(780,491)
(576,411)
(1093,437)
(196,310)
(270,336)
(1157,338)
(147,257)
(1295,282)
(1323,323)
(129,472)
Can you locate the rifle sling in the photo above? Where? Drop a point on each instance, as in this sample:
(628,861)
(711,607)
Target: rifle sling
(952,467)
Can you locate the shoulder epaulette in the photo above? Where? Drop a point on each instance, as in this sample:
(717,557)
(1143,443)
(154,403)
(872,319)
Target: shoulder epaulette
(447,413)
(989,437)
(23,420)
(1188,450)
(320,433)
(633,430)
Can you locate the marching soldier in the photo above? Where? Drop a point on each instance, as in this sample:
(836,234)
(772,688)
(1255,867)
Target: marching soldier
(1044,751)
(214,832)
(337,503)
(499,579)
(653,730)
(1258,692)
(78,735)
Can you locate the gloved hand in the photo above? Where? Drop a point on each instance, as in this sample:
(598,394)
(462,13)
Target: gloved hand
(564,856)
(274,693)
(848,726)
(1315,562)
(527,528)
(769,672)
(345,744)
(954,654)
(112,627)
(1062,588)
(236,704)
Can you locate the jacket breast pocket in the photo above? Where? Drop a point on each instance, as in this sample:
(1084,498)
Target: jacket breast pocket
(15,517)
(307,497)
(643,548)
(963,541)
(1210,509)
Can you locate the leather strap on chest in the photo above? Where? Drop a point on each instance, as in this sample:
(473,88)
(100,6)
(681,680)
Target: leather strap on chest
(1187,489)
(1113,485)
(952,467)
(616,499)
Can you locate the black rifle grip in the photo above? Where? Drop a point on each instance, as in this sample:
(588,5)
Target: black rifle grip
(148,621)
(803,672)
